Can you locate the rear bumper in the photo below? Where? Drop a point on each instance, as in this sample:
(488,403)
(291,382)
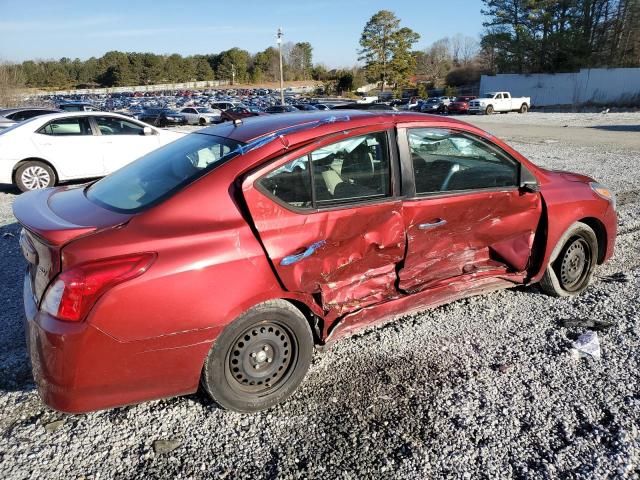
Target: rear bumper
(79,368)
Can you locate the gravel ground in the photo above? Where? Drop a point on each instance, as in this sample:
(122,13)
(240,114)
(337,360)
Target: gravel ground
(481,388)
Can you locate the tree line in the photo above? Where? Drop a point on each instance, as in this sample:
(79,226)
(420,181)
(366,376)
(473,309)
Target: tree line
(116,68)
(549,36)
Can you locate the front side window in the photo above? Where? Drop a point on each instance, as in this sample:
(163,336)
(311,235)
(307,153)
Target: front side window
(118,126)
(352,170)
(73,126)
(161,172)
(447,160)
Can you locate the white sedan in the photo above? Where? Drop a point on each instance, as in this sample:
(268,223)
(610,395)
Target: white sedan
(49,149)
(200,115)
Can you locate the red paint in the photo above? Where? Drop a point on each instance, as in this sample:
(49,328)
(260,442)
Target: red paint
(219,243)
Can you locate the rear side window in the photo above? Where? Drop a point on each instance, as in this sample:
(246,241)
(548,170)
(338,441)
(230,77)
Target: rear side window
(162,172)
(74,126)
(118,126)
(291,183)
(352,170)
(446,160)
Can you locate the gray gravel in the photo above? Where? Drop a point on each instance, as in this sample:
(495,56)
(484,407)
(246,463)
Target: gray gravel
(481,388)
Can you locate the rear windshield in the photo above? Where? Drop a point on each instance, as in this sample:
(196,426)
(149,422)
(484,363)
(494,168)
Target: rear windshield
(158,174)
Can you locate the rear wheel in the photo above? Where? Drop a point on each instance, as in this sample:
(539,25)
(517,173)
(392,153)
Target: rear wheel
(202,122)
(260,358)
(489,110)
(523,108)
(572,262)
(33,175)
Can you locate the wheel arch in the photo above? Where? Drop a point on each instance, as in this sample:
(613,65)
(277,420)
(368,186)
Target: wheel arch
(34,159)
(601,234)
(315,321)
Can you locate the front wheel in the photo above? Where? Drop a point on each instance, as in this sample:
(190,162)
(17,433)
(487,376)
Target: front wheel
(260,358)
(572,262)
(489,110)
(202,122)
(34,175)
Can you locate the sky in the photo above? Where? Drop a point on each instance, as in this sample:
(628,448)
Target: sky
(37,29)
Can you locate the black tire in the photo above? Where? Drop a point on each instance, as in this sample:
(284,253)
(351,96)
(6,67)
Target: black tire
(489,110)
(202,122)
(523,108)
(260,359)
(572,262)
(34,175)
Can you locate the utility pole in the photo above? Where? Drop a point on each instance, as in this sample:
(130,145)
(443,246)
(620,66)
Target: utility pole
(233,74)
(279,40)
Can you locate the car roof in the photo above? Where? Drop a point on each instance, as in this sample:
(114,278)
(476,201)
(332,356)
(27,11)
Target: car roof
(81,114)
(6,111)
(42,119)
(259,126)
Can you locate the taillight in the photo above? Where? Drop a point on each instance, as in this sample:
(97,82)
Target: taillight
(75,291)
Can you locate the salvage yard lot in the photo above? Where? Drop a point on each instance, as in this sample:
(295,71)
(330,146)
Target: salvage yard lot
(483,387)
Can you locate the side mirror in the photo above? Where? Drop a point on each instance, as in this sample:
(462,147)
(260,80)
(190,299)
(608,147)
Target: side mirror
(528,182)
(147,131)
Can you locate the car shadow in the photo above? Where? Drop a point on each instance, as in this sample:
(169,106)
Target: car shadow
(15,371)
(617,128)
(8,188)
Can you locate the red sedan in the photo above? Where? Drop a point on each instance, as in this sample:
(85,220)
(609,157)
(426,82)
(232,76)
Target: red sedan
(460,104)
(221,259)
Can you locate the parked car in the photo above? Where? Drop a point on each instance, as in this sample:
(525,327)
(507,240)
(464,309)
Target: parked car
(321,106)
(162,117)
(222,106)
(53,148)
(77,107)
(221,258)
(367,99)
(460,104)
(238,113)
(305,106)
(364,106)
(501,102)
(200,115)
(433,105)
(281,109)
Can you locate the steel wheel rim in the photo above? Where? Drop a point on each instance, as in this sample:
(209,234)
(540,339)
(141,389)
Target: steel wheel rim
(575,264)
(35,177)
(261,359)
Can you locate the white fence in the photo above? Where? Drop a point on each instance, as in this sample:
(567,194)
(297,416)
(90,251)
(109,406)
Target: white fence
(142,88)
(605,86)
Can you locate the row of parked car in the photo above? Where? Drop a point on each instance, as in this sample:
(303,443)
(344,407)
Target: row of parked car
(489,103)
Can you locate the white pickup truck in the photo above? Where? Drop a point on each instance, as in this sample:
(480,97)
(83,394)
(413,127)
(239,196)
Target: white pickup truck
(501,102)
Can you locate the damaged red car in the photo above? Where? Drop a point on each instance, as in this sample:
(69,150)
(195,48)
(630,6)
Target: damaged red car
(222,258)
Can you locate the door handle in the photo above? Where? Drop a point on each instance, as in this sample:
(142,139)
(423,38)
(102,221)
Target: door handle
(436,224)
(291,259)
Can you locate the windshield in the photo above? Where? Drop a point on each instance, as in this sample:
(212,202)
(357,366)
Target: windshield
(205,110)
(488,95)
(160,173)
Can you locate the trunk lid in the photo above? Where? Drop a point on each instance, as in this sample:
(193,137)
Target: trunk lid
(52,218)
